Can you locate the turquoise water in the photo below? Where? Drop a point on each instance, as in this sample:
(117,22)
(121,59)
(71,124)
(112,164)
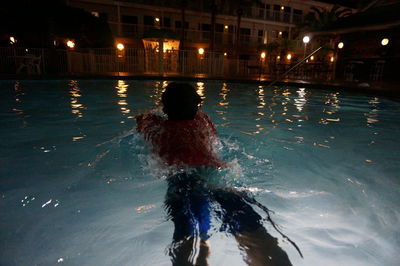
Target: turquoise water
(78,186)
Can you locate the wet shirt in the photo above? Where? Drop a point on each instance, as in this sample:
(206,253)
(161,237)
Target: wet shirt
(185,142)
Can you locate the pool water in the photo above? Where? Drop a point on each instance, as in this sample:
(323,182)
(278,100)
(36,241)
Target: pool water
(78,185)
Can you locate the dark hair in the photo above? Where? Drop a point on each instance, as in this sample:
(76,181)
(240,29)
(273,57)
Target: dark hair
(180,101)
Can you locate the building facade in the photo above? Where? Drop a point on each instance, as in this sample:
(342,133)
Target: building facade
(205,26)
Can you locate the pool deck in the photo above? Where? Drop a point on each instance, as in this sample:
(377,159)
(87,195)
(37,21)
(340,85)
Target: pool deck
(378,88)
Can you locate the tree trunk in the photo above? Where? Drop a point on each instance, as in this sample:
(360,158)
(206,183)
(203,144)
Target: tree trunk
(212,30)
(182,41)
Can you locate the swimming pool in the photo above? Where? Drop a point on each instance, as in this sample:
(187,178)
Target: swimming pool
(78,186)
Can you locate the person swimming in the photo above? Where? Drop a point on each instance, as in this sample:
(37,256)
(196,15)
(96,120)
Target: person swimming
(185,140)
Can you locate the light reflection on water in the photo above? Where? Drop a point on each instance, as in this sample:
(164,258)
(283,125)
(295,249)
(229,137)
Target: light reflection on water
(200,90)
(122,92)
(325,162)
(75,92)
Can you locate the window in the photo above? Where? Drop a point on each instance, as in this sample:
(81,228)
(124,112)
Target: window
(178,24)
(297,16)
(129,19)
(167,22)
(148,20)
(298,12)
(261,11)
(219,28)
(245,31)
(205,27)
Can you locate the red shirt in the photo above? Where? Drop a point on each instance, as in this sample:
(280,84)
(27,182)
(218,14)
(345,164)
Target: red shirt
(185,142)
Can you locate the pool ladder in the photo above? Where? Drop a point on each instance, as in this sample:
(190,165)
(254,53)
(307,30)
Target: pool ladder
(293,67)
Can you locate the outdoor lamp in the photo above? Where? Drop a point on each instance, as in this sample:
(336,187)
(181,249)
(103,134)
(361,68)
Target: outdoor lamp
(306,39)
(289,56)
(385,41)
(70,44)
(12,40)
(263,55)
(201,51)
(120,46)
(340,45)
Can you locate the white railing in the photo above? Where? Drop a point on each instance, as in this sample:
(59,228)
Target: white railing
(138,62)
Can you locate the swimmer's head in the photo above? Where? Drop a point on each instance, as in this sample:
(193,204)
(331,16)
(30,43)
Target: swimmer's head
(180,101)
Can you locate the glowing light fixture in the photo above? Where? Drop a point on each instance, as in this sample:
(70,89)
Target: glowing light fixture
(282,8)
(201,51)
(226,27)
(340,45)
(312,58)
(385,41)
(278,57)
(225,54)
(157,19)
(289,56)
(263,55)
(120,46)
(280,33)
(12,40)
(306,39)
(70,44)
(332,59)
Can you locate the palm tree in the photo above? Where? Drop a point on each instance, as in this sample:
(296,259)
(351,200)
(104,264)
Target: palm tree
(183,11)
(239,6)
(214,9)
(323,19)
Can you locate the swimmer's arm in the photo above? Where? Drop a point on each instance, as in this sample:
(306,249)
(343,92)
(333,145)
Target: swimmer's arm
(149,120)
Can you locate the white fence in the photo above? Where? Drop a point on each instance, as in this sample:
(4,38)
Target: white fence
(109,61)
